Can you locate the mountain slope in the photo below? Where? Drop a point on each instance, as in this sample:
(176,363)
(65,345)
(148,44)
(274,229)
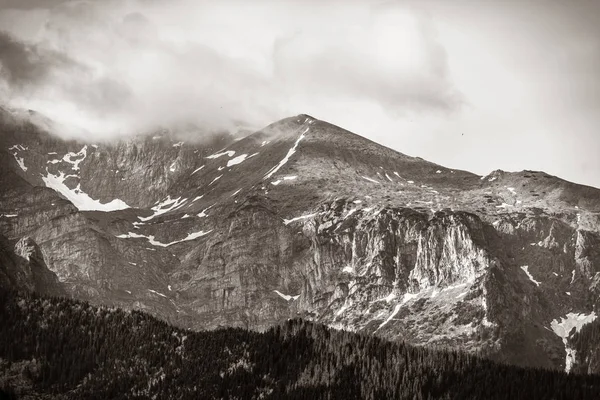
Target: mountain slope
(303,218)
(53,348)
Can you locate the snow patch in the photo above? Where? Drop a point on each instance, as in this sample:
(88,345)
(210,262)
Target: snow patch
(237,160)
(348,269)
(203,213)
(512,190)
(164,207)
(390,297)
(392,315)
(407,297)
(75,163)
(287,156)
(525,269)
(214,180)
(20,161)
(229,153)
(158,293)
(350,212)
(341,310)
(152,241)
(287,297)
(563,330)
(197,169)
(369,179)
(289,221)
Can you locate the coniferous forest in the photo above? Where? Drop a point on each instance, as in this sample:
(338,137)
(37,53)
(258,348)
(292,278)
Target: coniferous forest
(53,348)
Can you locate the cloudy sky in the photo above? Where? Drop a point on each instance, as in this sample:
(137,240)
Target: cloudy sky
(476,85)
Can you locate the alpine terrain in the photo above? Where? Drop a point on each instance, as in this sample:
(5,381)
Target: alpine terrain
(303,219)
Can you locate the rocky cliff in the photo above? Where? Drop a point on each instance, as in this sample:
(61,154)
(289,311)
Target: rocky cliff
(303,218)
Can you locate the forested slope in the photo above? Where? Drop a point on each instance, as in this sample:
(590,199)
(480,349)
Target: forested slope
(57,348)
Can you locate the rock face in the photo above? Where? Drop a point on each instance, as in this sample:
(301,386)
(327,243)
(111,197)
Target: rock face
(306,219)
(24,269)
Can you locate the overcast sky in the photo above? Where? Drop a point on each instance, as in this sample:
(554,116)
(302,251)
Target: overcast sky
(476,85)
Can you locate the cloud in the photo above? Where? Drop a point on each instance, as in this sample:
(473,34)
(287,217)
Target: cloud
(36,77)
(27,65)
(393,60)
(116,67)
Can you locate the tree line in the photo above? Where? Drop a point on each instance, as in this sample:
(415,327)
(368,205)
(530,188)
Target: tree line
(55,348)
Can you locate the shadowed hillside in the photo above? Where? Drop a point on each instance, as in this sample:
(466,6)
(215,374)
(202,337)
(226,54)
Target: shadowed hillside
(64,349)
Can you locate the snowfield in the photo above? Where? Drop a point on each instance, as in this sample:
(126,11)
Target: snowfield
(80,199)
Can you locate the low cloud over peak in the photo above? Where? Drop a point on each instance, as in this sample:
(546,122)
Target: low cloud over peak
(120,67)
(471,85)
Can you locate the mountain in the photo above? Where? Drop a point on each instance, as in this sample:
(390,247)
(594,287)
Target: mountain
(63,349)
(305,219)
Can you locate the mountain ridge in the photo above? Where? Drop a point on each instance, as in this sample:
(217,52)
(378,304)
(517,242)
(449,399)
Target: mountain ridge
(291,221)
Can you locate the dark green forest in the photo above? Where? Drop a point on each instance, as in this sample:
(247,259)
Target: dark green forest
(53,348)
